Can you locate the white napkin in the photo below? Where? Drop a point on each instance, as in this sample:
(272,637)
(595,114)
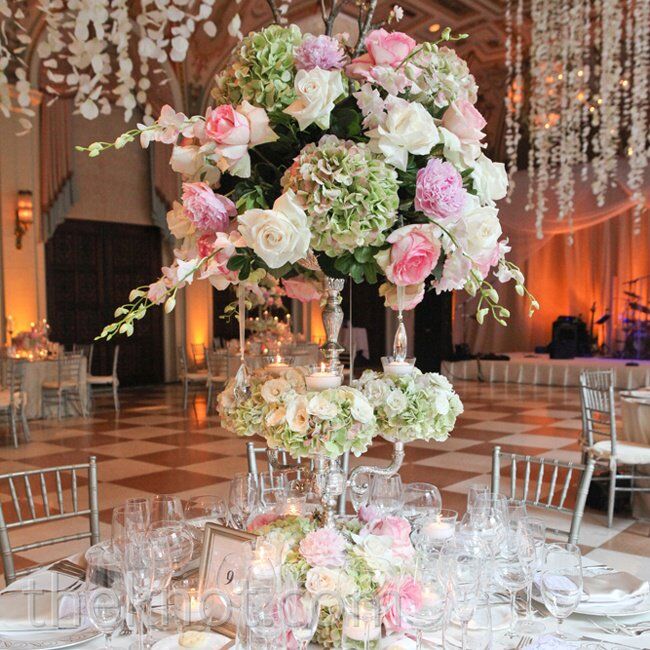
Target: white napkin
(39,601)
(613,586)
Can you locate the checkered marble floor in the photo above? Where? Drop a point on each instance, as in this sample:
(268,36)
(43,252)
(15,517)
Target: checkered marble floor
(156,447)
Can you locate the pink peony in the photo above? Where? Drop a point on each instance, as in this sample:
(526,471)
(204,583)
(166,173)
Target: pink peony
(383,49)
(413,295)
(324,547)
(301,289)
(208,211)
(399,597)
(324,52)
(464,121)
(367,514)
(226,126)
(262,520)
(398,529)
(412,257)
(439,191)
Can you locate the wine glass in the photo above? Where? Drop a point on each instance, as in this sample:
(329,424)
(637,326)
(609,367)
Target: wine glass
(243,497)
(513,567)
(129,521)
(262,612)
(200,510)
(536,530)
(138,572)
(561,582)
(516,512)
(427,613)
(179,540)
(163,570)
(464,574)
(386,494)
(300,612)
(274,488)
(474,491)
(421,499)
(166,507)
(104,591)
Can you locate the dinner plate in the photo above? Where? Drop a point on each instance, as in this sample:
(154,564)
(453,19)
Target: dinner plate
(628,607)
(211,638)
(30,640)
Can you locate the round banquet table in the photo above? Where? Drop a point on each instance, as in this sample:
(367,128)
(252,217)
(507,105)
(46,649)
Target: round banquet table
(636,428)
(35,373)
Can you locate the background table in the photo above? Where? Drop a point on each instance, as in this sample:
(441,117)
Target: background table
(636,428)
(359,340)
(36,372)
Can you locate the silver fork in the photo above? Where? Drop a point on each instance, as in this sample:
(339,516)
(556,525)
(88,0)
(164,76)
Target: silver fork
(523,642)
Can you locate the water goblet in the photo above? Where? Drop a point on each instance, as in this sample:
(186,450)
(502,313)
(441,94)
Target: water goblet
(179,540)
(427,614)
(516,512)
(386,494)
(243,497)
(200,510)
(536,530)
(129,521)
(300,611)
(104,590)
(474,491)
(166,507)
(561,583)
(421,499)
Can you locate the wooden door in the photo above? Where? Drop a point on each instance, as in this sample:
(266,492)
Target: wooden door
(433,334)
(91,266)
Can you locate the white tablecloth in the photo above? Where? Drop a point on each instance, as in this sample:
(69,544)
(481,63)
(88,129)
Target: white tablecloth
(359,340)
(636,428)
(36,372)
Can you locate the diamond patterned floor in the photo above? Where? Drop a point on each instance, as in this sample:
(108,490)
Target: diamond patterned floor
(155,447)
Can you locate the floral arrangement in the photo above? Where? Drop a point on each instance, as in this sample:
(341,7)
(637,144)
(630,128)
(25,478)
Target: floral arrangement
(301,422)
(321,158)
(418,406)
(361,557)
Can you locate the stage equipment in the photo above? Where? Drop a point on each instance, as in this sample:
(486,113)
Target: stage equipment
(569,338)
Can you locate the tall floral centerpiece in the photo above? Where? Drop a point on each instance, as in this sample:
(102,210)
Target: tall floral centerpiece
(321,160)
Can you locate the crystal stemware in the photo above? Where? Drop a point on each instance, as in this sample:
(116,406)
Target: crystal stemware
(386,494)
(243,498)
(561,582)
(166,507)
(464,573)
(104,590)
(536,531)
(300,612)
(202,509)
(178,538)
(421,500)
(427,613)
(138,572)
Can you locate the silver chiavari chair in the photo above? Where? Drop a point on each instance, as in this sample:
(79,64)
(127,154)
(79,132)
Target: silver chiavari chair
(67,387)
(188,377)
(548,488)
(13,400)
(217,364)
(32,504)
(87,350)
(600,439)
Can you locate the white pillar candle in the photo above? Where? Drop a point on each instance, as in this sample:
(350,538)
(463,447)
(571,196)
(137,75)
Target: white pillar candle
(439,530)
(362,625)
(398,368)
(323,379)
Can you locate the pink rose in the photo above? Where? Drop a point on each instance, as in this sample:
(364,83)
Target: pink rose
(412,257)
(208,211)
(464,121)
(301,289)
(225,125)
(399,597)
(224,247)
(398,529)
(324,547)
(383,49)
(439,191)
(413,295)
(261,520)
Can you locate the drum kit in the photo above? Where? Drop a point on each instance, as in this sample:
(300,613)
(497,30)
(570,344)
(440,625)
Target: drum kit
(636,326)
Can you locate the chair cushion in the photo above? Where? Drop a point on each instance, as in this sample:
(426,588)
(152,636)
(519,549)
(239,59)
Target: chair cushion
(5,398)
(99,379)
(197,376)
(628,453)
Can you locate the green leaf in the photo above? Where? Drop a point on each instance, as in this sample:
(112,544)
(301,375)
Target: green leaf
(364,254)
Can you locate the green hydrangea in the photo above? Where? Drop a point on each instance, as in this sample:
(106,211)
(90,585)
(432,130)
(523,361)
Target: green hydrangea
(262,71)
(350,195)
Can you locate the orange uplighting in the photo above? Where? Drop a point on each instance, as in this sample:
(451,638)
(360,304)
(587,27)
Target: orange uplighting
(317,328)
(24,216)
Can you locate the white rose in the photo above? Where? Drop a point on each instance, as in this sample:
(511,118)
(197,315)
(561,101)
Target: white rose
(457,153)
(482,230)
(407,128)
(273,389)
(330,585)
(376,551)
(316,92)
(297,415)
(276,416)
(396,402)
(376,391)
(361,409)
(178,222)
(321,407)
(490,179)
(279,235)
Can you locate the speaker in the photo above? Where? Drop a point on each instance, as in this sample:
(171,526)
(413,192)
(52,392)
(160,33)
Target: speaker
(569,338)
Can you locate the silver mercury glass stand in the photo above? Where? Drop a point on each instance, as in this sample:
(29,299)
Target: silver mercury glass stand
(326,479)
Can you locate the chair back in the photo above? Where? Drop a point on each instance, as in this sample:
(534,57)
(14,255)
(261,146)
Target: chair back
(181,358)
(16,383)
(69,367)
(198,356)
(546,483)
(217,363)
(116,356)
(33,503)
(87,350)
(597,405)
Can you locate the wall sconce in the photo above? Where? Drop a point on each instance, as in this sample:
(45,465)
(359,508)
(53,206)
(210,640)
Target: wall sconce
(24,216)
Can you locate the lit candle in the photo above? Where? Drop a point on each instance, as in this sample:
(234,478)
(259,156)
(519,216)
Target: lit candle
(278,365)
(439,530)
(362,625)
(430,597)
(323,379)
(398,368)
(191,611)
